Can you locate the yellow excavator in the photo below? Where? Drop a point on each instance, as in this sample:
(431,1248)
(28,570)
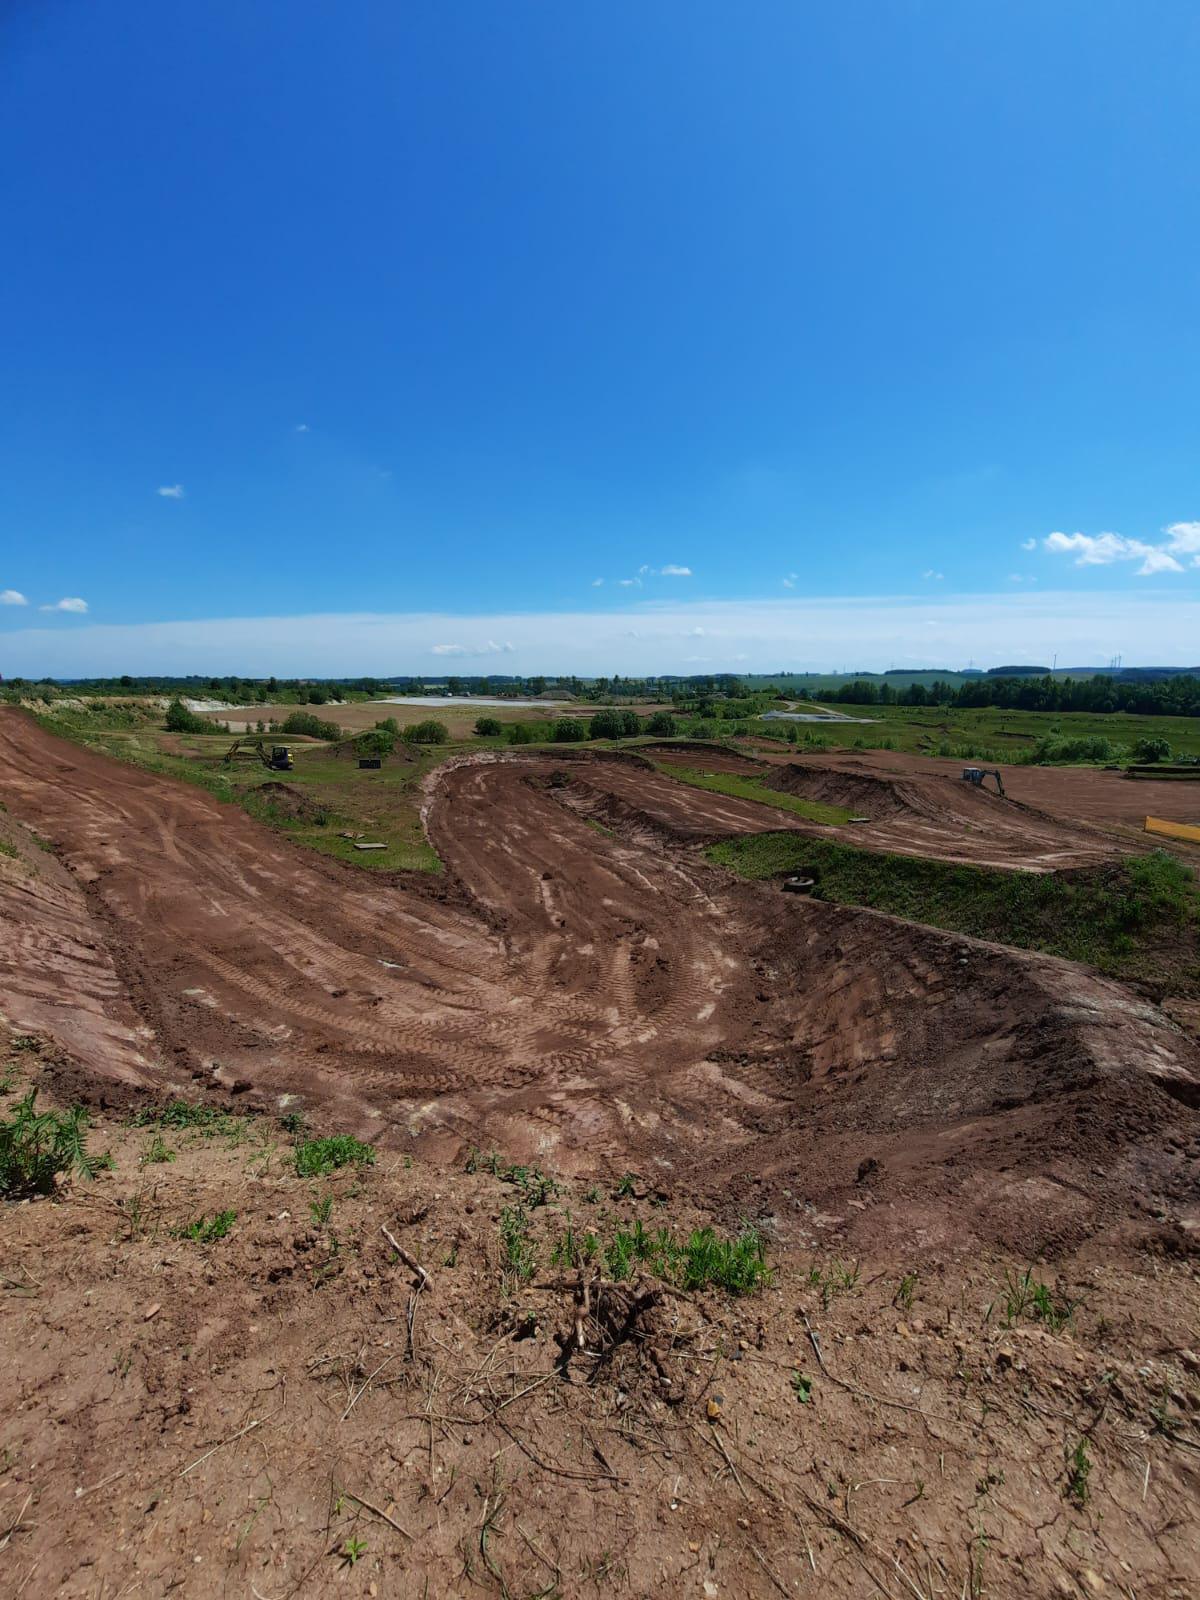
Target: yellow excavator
(277,756)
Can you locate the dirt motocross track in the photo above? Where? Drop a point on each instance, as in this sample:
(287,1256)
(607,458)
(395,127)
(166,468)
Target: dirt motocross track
(583,989)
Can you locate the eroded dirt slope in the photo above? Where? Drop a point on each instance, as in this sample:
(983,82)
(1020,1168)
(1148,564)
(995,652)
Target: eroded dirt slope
(584,990)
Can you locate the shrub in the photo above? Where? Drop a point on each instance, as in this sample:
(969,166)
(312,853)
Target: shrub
(488,727)
(1050,751)
(428,732)
(1152,750)
(36,1147)
(605,724)
(306,723)
(521,733)
(389,725)
(316,1157)
(662,725)
(375,743)
(181,720)
(569,730)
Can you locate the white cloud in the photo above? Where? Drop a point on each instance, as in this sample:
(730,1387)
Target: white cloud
(303,427)
(630,583)
(12,597)
(489,648)
(170,491)
(929,573)
(1150,626)
(597,583)
(672,571)
(790,581)
(1104,549)
(1183,538)
(1028,544)
(70,603)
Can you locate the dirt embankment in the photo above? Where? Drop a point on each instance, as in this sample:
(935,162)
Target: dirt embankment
(584,995)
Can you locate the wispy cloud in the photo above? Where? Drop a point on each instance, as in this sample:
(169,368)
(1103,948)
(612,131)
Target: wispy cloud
(1105,549)
(930,575)
(170,491)
(302,427)
(1028,544)
(790,581)
(12,597)
(793,630)
(488,648)
(597,583)
(69,603)
(629,583)
(672,571)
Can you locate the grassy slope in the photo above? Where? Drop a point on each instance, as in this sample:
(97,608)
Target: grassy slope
(921,730)
(1138,919)
(747,788)
(380,805)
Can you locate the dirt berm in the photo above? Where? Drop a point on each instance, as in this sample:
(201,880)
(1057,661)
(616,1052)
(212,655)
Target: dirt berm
(586,994)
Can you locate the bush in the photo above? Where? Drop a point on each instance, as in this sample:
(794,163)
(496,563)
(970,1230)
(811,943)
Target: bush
(316,1157)
(488,727)
(569,730)
(521,733)
(1152,750)
(605,725)
(427,732)
(181,720)
(306,723)
(36,1147)
(1049,752)
(389,725)
(375,743)
(662,725)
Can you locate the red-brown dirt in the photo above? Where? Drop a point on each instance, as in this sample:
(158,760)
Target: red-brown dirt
(280,1413)
(583,989)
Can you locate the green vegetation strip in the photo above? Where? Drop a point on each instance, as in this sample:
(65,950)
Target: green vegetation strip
(747,788)
(1120,918)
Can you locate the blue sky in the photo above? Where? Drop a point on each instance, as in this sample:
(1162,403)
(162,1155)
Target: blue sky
(476,320)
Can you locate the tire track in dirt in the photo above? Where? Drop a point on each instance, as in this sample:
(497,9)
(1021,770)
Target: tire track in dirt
(592,996)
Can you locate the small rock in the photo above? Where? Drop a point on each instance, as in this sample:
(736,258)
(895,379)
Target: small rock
(716,1404)
(151,1311)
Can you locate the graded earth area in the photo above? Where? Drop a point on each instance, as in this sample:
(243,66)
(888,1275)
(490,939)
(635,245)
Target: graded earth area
(702,1240)
(582,988)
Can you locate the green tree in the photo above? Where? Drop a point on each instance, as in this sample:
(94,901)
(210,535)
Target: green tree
(569,730)
(662,725)
(181,720)
(428,732)
(488,727)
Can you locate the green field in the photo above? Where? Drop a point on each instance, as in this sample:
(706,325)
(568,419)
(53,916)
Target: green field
(1138,919)
(989,734)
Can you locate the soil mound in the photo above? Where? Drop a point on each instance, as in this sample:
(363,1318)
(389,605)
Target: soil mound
(291,804)
(865,794)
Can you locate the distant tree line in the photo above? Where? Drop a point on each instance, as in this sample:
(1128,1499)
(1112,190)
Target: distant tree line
(1172,697)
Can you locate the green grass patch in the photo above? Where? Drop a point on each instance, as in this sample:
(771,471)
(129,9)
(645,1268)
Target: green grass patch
(744,787)
(207,1230)
(316,1157)
(702,1259)
(1120,917)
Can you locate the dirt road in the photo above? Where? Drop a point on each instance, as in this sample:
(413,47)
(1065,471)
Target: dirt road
(581,989)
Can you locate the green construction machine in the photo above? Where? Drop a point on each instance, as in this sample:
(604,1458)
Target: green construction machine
(276,756)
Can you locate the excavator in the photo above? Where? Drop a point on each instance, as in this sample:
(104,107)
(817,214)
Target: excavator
(976,775)
(277,756)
